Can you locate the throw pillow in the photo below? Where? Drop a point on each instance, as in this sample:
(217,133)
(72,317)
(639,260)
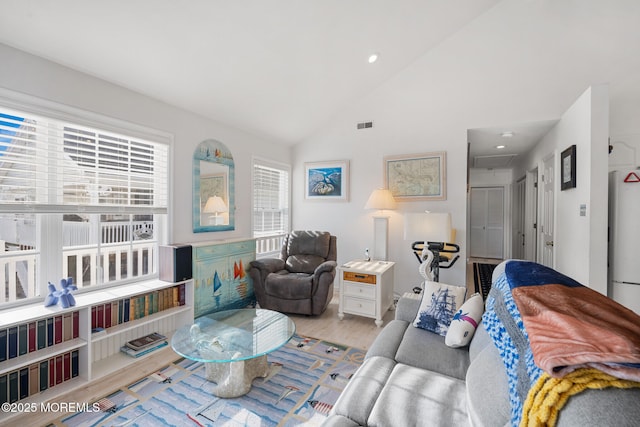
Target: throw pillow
(439,303)
(465,322)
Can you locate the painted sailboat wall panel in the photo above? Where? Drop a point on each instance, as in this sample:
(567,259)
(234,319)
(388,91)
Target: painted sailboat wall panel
(221,276)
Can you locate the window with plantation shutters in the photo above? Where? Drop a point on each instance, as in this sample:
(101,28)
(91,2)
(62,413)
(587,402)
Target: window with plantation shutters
(271,202)
(52,166)
(77,201)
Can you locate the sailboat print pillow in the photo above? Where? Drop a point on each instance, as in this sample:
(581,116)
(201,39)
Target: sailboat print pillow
(439,303)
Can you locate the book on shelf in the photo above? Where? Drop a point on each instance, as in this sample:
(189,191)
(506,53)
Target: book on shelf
(22,339)
(31,336)
(98,332)
(57,329)
(137,353)
(42,333)
(24,383)
(4,388)
(145,341)
(3,345)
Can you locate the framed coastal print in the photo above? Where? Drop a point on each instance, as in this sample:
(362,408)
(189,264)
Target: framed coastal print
(213,185)
(417,176)
(568,168)
(327,180)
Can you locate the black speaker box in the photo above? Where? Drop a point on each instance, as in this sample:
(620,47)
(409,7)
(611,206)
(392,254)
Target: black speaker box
(175,263)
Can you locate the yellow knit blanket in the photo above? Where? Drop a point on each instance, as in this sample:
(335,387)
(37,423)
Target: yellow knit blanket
(549,395)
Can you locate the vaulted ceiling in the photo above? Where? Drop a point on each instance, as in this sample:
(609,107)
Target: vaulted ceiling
(283,68)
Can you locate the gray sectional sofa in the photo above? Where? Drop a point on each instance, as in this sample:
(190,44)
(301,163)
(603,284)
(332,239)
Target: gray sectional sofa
(411,378)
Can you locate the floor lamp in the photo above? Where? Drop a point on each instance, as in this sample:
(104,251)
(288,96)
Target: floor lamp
(380,199)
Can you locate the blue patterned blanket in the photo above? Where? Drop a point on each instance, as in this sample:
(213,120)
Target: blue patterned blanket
(503,323)
(543,321)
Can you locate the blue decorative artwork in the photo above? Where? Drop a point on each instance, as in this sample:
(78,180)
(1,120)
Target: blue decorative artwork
(327,180)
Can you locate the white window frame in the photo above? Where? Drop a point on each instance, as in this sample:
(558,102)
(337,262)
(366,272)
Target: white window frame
(48,269)
(269,245)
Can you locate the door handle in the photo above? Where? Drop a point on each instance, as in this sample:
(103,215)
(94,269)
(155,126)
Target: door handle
(549,243)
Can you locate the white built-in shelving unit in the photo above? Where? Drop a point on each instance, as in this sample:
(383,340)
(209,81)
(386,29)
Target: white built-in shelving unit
(99,356)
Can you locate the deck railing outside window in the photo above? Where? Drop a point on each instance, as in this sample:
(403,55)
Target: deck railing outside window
(269,246)
(126,252)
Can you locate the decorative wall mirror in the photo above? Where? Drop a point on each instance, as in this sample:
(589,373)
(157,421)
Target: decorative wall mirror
(213,187)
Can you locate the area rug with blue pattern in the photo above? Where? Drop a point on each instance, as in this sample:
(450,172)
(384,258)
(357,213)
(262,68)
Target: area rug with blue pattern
(306,377)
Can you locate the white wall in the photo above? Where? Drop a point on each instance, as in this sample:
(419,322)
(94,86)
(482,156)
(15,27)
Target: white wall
(580,242)
(38,77)
(490,177)
(428,107)
(625,127)
(625,123)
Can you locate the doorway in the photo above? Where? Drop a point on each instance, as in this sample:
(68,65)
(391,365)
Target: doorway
(487,222)
(519,207)
(546,228)
(531,216)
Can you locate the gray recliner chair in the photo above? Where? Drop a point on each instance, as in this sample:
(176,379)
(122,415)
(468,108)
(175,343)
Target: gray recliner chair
(301,280)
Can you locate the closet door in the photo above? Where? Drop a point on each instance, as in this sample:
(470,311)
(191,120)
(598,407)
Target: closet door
(487,222)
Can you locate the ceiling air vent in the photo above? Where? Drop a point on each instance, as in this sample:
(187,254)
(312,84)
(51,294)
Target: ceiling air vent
(493,162)
(365,125)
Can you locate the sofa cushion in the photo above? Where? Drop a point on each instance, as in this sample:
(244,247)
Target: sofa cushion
(388,340)
(339,421)
(427,350)
(285,285)
(307,250)
(360,394)
(480,341)
(465,321)
(439,303)
(303,263)
(487,387)
(608,407)
(415,397)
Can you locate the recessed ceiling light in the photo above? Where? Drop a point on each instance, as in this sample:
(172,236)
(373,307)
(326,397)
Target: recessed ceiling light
(373,58)
(500,147)
(507,134)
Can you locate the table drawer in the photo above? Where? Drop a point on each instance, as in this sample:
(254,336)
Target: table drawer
(361,291)
(359,277)
(359,306)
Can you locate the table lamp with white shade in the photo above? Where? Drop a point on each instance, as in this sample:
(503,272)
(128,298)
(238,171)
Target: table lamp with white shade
(216,206)
(381,200)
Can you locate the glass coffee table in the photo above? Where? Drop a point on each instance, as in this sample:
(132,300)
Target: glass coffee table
(233,345)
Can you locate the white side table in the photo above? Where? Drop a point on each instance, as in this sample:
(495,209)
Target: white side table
(366,289)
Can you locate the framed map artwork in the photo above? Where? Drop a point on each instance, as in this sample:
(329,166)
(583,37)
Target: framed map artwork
(417,176)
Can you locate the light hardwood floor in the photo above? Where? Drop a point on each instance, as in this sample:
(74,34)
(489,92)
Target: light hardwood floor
(355,331)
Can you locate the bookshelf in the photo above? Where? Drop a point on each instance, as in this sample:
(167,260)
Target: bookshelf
(62,338)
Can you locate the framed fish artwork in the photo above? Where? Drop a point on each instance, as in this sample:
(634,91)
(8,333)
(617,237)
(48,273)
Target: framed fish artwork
(327,180)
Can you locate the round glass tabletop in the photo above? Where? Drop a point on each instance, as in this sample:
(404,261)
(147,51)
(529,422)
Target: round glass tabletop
(233,335)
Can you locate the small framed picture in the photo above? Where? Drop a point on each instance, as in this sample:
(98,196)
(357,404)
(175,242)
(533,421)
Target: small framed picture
(327,180)
(568,168)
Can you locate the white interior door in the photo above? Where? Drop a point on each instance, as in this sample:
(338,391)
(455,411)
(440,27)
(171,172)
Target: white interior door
(547,217)
(531,216)
(519,217)
(487,222)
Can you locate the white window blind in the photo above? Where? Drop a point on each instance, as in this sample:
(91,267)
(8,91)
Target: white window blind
(270,199)
(54,166)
